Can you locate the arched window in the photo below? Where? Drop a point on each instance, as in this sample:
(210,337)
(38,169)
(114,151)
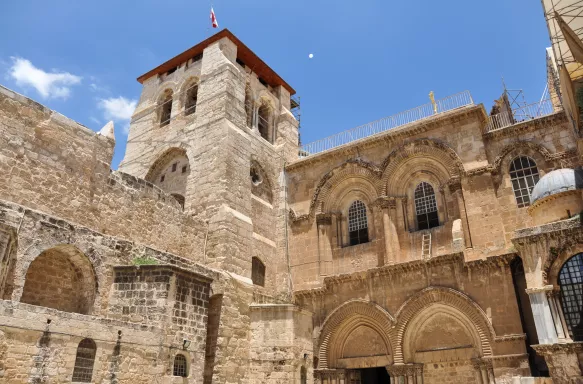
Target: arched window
(249,106)
(180,366)
(257,272)
(83,371)
(357,223)
(303,375)
(179,198)
(571,282)
(264,121)
(426,206)
(191,98)
(165,106)
(524,175)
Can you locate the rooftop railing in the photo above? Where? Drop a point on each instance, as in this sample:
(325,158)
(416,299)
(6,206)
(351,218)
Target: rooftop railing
(518,115)
(449,103)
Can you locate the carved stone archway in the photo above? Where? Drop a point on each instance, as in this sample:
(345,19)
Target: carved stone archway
(357,331)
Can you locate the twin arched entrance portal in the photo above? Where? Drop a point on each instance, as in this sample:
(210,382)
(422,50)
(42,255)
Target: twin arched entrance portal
(434,333)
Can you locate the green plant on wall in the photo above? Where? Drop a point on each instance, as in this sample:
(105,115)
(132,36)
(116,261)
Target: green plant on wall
(144,261)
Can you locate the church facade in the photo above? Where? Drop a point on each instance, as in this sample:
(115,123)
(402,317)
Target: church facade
(444,245)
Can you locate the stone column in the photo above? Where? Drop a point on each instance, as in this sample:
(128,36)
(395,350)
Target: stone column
(541,311)
(389,211)
(455,187)
(554,298)
(485,370)
(324,223)
(400,214)
(556,318)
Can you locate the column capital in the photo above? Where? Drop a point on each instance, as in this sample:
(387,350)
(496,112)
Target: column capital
(545,288)
(454,184)
(404,369)
(324,218)
(482,363)
(386,202)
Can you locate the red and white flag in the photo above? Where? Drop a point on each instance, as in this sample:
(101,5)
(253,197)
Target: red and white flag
(214,19)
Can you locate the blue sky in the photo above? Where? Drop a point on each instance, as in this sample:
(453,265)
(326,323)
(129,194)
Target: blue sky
(371,58)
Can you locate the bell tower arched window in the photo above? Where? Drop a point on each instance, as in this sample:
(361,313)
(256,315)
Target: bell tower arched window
(357,223)
(191,99)
(426,206)
(248,106)
(264,121)
(165,108)
(524,175)
(571,283)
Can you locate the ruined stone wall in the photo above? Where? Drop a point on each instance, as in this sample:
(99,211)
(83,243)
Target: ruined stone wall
(59,167)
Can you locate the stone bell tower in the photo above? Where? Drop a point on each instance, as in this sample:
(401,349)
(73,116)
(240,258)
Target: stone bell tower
(213,128)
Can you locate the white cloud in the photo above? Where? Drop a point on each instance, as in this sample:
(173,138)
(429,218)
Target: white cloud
(48,85)
(118,109)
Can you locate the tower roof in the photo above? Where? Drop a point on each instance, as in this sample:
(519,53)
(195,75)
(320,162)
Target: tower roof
(243,53)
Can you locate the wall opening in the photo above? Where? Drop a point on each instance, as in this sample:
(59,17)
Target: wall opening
(165,107)
(357,223)
(257,272)
(61,278)
(523,175)
(571,283)
(170,173)
(84,361)
(264,121)
(180,366)
(426,206)
(191,99)
(212,334)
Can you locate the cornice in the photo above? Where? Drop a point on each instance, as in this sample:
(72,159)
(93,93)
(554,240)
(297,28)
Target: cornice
(572,227)
(402,268)
(393,135)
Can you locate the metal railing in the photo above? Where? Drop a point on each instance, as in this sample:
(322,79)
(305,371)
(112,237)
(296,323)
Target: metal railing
(518,115)
(449,103)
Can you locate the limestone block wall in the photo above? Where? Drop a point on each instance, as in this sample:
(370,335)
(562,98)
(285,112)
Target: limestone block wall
(280,343)
(467,168)
(59,167)
(410,307)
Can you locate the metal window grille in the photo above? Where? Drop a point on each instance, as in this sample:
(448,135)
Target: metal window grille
(180,366)
(83,371)
(426,206)
(571,282)
(357,223)
(524,175)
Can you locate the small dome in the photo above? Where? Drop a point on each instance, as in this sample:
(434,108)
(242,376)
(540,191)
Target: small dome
(557,181)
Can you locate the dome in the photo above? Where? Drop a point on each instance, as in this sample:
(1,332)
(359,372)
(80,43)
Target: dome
(557,181)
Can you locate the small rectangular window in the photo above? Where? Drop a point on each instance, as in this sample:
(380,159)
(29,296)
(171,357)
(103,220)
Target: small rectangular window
(263,82)
(184,169)
(162,178)
(240,62)
(174,167)
(197,58)
(171,71)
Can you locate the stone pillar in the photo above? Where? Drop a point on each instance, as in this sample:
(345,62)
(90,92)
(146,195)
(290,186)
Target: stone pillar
(563,361)
(485,370)
(541,311)
(554,298)
(556,318)
(324,223)
(455,187)
(389,211)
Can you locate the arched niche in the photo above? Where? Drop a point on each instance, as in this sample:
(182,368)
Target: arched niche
(261,185)
(62,278)
(170,172)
